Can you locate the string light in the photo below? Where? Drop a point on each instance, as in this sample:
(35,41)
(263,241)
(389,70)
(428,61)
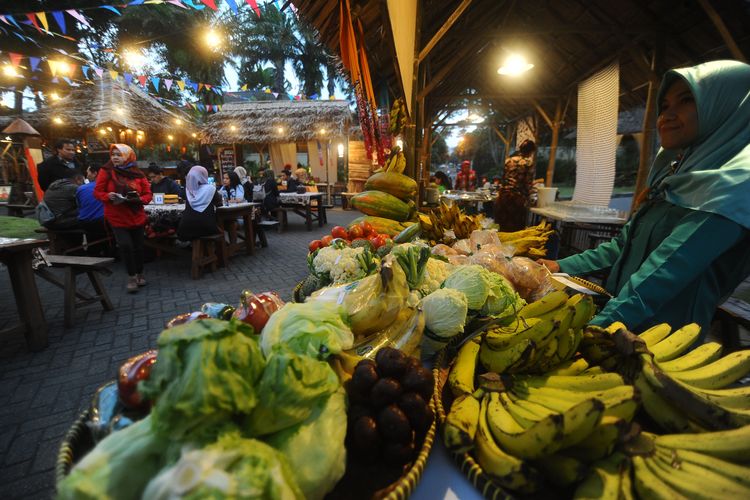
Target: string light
(9,71)
(178,121)
(232,128)
(170,137)
(57,120)
(194,135)
(341,150)
(322,131)
(134,58)
(213,39)
(280,130)
(54,96)
(102,131)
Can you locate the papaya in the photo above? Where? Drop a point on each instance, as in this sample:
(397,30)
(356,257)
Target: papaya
(381,225)
(381,204)
(399,185)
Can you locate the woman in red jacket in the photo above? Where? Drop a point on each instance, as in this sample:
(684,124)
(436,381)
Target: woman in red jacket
(123,189)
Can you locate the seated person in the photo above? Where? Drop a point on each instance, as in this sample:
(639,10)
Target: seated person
(91,214)
(266,191)
(60,197)
(245,181)
(287,170)
(202,198)
(161,183)
(232,188)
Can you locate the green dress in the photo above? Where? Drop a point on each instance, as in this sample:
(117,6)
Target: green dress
(669,264)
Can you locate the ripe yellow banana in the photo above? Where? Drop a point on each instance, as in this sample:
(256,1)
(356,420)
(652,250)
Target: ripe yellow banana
(580,383)
(461,423)
(602,440)
(503,338)
(521,415)
(612,328)
(585,310)
(655,334)
(735,398)
(676,343)
(562,470)
(500,361)
(570,367)
(604,481)
(580,421)
(731,445)
(718,374)
(461,376)
(734,472)
(648,485)
(547,303)
(696,481)
(700,356)
(537,441)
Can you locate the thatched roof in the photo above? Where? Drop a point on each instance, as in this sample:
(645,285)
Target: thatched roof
(108,102)
(20,126)
(263,122)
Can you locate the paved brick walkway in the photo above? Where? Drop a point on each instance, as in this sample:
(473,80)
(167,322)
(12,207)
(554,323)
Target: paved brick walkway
(42,393)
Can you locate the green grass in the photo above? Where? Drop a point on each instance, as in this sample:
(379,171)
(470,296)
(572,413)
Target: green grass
(17,227)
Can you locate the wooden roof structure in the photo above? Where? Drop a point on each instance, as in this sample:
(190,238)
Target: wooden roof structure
(459,45)
(264,122)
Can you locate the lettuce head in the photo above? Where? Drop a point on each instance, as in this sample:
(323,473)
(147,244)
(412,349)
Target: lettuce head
(503,300)
(445,312)
(474,281)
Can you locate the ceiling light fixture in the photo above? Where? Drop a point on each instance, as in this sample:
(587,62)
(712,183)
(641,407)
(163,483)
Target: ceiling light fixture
(514,65)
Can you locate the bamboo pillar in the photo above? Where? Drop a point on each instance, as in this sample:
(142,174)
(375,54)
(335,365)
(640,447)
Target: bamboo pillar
(553,147)
(649,126)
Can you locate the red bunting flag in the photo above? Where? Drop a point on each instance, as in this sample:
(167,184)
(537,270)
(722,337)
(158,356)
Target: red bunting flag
(254,5)
(15,59)
(32,18)
(211,3)
(142,80)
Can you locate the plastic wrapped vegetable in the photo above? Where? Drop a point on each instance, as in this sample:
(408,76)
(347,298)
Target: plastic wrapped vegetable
(473,281)
(413,260)
(445,312)
(205,373)
(232,467)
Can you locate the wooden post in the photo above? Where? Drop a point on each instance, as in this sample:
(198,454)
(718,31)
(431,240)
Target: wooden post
(443,30)
(723,31)
(410,134)
(649,125)
(553,147)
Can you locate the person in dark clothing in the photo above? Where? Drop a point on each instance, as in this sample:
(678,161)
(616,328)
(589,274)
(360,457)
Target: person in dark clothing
(202,198)
(184,166)
(266,191)
(287,170)
(91,215)
(61,200)
(62,165)
(161,183)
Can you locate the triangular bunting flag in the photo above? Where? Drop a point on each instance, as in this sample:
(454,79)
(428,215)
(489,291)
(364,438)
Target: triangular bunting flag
(113,74)
(211,4)
(43,18)
(13,21)
(52,67)
(244,87)
(200,87)
(254,5)
(79,17)
(177,3)
(109,7)
(181,85)
(207,86)
(267,91)
(155,82)
(209,108)
(142,80)
(168,84)
(192,4)
(232,6)
(35,62)
(60,18)
(67,80)
(85,71)
(275,94)
(136,2)
(128,78)
(195,86)
(15,59)
(2,18)
(32,18)
(314,96)
(99,72)
(201,107)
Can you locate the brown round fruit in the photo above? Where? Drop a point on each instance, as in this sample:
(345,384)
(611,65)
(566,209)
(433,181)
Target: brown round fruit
(419,380)
(391,362)
(365,436)
(398,453)
(416,410)
(365,376)
(384,392)
(394,425)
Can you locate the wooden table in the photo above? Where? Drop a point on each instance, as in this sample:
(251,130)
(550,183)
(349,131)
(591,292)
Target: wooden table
(16,255)
(226,217)
(301,204)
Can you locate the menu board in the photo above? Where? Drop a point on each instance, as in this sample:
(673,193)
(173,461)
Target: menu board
(227,160)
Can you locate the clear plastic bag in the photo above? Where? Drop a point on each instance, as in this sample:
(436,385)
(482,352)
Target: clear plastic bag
(481,238)
(443,250)
(464,247)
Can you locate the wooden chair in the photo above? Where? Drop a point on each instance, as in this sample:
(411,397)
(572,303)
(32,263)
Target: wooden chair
(205,255)
(93,267)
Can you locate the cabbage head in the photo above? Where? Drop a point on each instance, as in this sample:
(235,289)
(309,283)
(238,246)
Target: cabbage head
(445,312)
(474,281)
(503,300)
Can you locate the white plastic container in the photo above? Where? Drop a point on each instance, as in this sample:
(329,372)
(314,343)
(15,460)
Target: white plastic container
(546,196)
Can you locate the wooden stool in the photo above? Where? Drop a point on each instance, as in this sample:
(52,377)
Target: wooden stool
(93,267)
(346,199)
(204,255)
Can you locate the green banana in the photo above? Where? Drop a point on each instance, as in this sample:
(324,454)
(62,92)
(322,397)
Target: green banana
(730,445)
(696,358)
(536,441)
(580,383)
(461,376)
(461,423)
(626,482)
(521,415)
(604,481)
(536,330)
(676,343)
(548,303)
(656,334)
(718,374)
(697,481)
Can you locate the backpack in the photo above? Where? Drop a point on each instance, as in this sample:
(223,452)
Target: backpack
(44,215)
(259,192)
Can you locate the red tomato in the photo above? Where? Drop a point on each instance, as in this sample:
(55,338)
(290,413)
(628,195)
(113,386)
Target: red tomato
(339,232)
(377,241)
(356,232)
(314,245)
(367,229)
(326,240)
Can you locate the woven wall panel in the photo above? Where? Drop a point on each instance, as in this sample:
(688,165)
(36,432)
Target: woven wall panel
(596,142)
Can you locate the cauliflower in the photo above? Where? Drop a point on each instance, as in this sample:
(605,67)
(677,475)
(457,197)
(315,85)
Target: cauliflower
(434,275)
(343,265)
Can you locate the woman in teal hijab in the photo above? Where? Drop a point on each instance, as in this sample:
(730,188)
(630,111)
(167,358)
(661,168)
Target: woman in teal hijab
(688,245)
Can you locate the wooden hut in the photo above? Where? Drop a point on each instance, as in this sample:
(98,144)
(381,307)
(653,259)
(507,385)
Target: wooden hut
(291,132)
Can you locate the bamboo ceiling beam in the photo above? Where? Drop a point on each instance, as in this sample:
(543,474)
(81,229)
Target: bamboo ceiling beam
(723,31)
(443,30)
(566,29)
(523,96)
(445,70)
(500,135)
(544,113)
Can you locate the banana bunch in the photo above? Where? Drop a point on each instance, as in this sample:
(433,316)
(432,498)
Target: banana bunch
(530,241)
(448,217)
(396,161)
(397,120)
(545,334)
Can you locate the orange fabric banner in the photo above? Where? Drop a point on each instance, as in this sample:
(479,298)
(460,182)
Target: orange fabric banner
(34,174)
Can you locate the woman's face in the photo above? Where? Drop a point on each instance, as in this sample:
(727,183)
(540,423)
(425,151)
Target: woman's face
(226,180)
(678,121)
(116,157)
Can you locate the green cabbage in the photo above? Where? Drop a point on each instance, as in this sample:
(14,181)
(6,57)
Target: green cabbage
(445,312)
(315,328)
(232,467)
(119,467)
(288,390)
(502,299)
(205,373)
(473,280)
(315,448)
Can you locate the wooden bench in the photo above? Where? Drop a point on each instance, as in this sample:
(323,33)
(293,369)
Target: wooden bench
(280,214)
(74,298)
(16,210)
(58,240)
(205,255)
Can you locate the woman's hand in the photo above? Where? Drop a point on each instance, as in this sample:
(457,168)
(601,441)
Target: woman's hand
(115,198)
(551,265)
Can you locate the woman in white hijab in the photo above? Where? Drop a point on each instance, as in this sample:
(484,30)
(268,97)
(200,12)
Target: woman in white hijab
(199,217)
(245,182)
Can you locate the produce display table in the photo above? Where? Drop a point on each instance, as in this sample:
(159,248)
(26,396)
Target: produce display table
(302,205)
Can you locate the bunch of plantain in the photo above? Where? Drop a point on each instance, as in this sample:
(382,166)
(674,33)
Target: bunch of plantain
(448,218)
(397,120)
(396,161)
(544,334)
(531,241)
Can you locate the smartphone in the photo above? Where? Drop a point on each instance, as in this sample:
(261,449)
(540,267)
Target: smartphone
(132,194)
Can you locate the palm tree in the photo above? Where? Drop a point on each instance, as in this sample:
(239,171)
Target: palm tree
(310,60)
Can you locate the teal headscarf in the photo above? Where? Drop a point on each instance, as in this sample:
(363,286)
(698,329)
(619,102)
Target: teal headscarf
(714,173)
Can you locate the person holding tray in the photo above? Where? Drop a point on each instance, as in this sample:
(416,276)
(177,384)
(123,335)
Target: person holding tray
(685,249)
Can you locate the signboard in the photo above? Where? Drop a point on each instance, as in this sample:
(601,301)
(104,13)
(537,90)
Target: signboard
(226,160)
(96,144)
